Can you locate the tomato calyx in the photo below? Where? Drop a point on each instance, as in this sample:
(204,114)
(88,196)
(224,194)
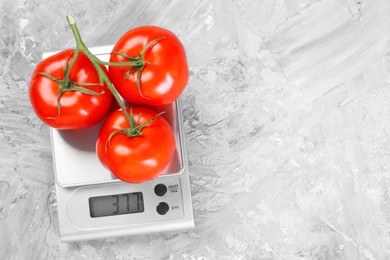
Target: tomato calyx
(134,130)
(139,64)
(68,85)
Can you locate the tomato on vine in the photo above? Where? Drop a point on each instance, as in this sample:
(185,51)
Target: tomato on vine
(160,72)
(71,90)
(139,151)
(67,93)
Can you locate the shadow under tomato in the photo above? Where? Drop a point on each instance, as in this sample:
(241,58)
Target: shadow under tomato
(82,139)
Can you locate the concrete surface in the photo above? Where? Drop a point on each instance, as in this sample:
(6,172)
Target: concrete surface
(287,118)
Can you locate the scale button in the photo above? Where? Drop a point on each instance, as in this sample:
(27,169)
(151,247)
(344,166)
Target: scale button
(162,208)
(160,189)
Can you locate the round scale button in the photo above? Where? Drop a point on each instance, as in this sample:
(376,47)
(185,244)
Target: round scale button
(160,189)
(162,208)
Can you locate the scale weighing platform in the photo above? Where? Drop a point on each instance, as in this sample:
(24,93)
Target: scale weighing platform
(93,203)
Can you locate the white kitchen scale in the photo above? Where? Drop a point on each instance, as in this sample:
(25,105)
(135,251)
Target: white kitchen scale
(92,203)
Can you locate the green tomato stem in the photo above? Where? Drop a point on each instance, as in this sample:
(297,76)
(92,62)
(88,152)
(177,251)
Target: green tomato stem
(120,64)
(80,46)
(72,62)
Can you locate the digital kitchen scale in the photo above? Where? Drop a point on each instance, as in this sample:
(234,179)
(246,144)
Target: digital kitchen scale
(92,203)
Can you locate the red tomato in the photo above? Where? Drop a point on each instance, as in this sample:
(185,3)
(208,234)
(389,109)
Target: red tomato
(163,79)
(139,158)
(78,110)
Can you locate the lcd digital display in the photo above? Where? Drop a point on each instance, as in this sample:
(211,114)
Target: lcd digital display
(117,204)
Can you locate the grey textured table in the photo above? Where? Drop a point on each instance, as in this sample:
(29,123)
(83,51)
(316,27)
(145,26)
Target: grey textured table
(287,118)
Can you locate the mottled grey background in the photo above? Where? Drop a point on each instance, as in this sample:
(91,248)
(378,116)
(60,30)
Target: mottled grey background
(287,118)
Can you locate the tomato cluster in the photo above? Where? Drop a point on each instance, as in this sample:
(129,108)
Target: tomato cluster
(73,89)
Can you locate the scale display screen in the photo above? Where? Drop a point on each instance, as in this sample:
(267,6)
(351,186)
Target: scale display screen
(117,204)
